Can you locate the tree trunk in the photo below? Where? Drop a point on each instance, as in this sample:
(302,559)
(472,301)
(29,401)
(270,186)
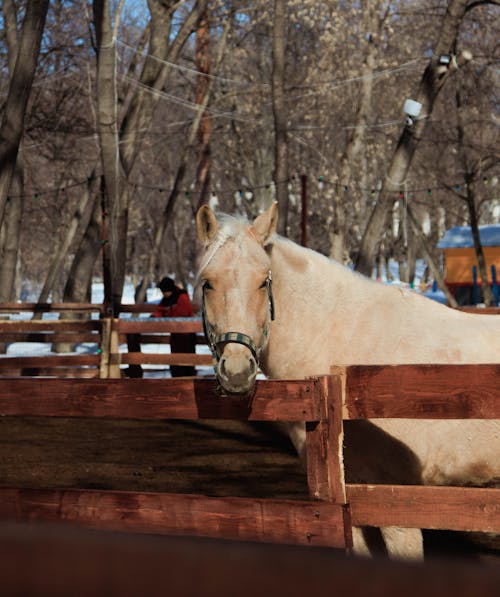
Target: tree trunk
(57,264)
(9,250)
(138,110)
(433,79)
(107,125)
(21,81)
(202,83)
(470,200)
(10,247)
(279,114)
(181,170)
(78,285)
(435,269)
(354,148)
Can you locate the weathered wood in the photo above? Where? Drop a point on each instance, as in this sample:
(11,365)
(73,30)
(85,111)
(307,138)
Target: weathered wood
(105,349)
(50,325)
(176,326)
(481,310)
(52,337)
(59,372)
(177,398)
(453,508)
(325,469)
(159,338)
(57,560)
(423,391)
(243,519)
(178,358)
(12,307)
(80,360)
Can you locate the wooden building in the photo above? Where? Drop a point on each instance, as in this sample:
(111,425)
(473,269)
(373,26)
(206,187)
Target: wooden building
(461,268)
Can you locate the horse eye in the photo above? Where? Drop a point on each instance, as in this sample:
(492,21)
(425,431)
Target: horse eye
(207,285)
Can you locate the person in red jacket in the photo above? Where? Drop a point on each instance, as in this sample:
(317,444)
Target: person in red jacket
(176,303)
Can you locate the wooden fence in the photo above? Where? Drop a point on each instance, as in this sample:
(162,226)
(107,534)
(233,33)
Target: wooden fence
(108,348)
(356,392)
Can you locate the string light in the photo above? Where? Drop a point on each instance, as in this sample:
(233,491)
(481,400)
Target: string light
(187,192)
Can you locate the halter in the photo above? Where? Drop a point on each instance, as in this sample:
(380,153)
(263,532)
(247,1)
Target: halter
(216,341)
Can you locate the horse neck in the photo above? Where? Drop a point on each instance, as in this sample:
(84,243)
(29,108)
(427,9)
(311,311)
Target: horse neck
(299,272)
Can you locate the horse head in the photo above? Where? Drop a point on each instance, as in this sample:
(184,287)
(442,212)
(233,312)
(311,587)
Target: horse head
(235,274)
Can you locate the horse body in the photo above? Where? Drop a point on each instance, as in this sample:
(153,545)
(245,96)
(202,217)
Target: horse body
(327,315)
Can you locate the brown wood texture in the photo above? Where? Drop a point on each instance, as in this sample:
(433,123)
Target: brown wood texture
(481,310)
(423,391)
(50,325)
(244,519)
(324,446)
(78,360)
(13,307)
(158,338)
(138,326)
(52,337)
(178,358)
(58,372)
(176,398)
(57,561)
(453,508)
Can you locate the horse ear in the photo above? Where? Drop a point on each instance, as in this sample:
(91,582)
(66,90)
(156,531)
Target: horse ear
(206,224)
(264,226)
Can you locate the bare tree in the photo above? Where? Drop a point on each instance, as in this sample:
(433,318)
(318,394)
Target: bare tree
(12,125)
(279,113)
(433,79)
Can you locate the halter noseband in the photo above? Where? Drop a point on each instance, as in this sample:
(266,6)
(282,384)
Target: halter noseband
(216,341)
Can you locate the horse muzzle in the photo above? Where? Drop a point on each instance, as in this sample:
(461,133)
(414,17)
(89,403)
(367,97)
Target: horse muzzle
(237,369)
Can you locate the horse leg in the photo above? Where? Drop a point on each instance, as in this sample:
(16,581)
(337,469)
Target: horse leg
(395,543)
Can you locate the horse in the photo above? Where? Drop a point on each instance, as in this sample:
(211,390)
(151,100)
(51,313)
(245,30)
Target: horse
(272,304)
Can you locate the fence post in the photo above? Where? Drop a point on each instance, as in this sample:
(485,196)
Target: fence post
(324,443)
(105,347)
(114,350)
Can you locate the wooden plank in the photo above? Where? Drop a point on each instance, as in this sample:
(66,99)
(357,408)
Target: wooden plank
(59,372)
(50,325)
(423,391)
(77,360)
(178,358)
(325,470)
(61,560)
(243,519)
(481,310)
(105,349)
(176,326)
(52,337)
(176,398)
(159,338)
(453,508)
(12,307)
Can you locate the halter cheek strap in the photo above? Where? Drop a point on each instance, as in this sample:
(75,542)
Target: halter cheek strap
(220,340)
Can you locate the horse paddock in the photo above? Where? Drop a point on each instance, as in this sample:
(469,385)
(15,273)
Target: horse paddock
(213,458)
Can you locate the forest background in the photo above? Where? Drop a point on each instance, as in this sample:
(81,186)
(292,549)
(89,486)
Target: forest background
(120,118)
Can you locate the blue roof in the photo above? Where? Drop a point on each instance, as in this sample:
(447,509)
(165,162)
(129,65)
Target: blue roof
(461,237)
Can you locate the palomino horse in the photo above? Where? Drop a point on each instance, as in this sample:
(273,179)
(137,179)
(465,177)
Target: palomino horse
(328,315)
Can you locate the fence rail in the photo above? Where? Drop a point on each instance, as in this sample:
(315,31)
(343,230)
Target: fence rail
(92,348)
(356,392)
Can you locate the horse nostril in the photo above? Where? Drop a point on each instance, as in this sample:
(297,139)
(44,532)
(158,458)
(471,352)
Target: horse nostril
(253,366)
(222,366)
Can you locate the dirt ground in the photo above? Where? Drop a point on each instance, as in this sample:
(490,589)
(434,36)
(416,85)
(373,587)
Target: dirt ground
(205,457)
